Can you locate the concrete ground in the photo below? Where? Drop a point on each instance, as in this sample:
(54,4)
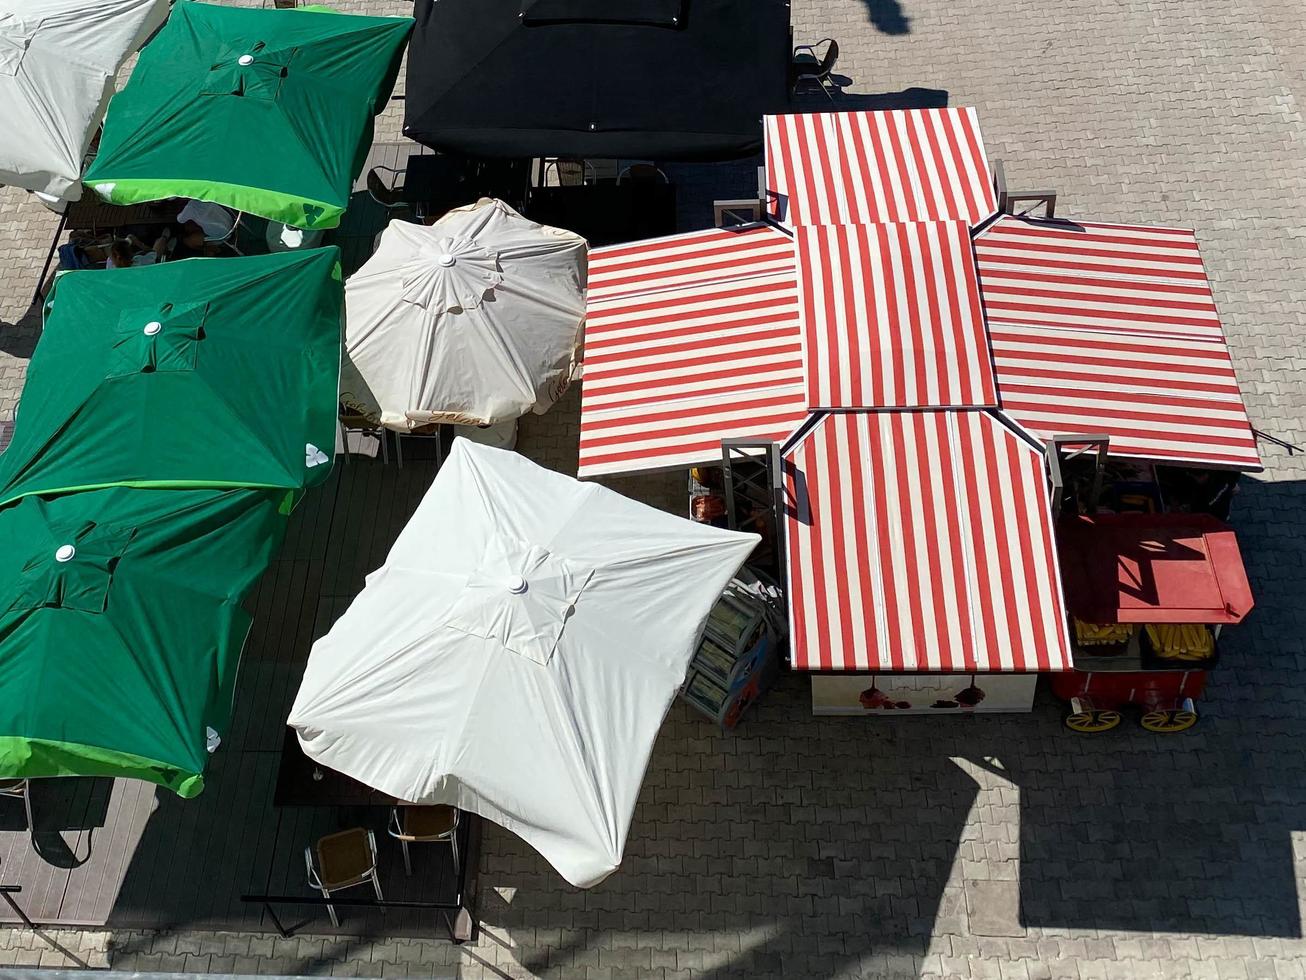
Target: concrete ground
(970,847)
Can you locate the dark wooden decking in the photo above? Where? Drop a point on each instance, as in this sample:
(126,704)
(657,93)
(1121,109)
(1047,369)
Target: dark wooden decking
(125,854)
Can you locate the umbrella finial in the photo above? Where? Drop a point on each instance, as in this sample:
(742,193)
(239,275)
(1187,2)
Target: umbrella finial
(516,585)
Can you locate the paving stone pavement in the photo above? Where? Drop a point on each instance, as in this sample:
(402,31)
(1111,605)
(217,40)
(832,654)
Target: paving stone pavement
(971,847)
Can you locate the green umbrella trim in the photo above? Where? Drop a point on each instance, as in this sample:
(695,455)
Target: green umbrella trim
(36,758)
(289,209)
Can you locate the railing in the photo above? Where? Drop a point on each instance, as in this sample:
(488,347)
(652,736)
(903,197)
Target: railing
(459,925)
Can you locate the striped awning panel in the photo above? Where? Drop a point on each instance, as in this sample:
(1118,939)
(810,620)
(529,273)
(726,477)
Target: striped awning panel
(855,167)
(921,541)
(689,340)
(1121,278)
(1112,329)
(892,318)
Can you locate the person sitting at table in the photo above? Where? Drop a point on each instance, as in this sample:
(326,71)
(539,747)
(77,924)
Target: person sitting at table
(131,251)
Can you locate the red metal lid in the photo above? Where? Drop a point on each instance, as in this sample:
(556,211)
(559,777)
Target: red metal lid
(1153,568)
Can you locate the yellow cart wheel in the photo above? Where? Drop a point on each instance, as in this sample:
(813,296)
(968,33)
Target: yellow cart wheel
(1170,720)
(1091,722)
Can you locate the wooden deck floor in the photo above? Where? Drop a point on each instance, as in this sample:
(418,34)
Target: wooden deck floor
(125,854)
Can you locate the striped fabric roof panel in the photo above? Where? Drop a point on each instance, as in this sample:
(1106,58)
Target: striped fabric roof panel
(892,318)
(689,340)
(1141,281)
(1155,398)
(1112,329)
(921,541)
(858,167)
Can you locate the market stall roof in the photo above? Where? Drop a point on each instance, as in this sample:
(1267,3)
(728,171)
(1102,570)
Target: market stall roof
(472,320)
(203,372)
(1112,329)
(1153,568)
(689,340)
(122,628)
(891,317)
(58,62)
(654,79)
(854,167)
(517,662)
(265,111)
(921,541)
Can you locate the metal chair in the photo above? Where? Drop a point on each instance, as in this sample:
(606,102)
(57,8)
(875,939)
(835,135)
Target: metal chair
(642,173)
(228,237)
(569,173)
(19,789)
(423,825)
(388,195)
(807,68)
(343,860)
(378,430)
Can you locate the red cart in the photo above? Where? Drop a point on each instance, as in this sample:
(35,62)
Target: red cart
(1147,595)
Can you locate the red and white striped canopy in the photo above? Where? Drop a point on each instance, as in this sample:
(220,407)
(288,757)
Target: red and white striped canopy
(921,541)
(1112,329)
(891,317)
(689,340)
(826,168)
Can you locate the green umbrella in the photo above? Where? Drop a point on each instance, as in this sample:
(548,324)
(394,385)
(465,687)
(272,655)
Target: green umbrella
(199,373)
(121,628)
(266,111)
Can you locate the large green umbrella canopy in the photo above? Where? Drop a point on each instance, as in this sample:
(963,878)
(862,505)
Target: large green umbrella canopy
(199,373)
(266,111)
(121,628)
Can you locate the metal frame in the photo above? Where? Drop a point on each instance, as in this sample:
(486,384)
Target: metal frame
(1097,442)
(745,211)
(750,464)
(7,892)
(1007,200)
(21,789)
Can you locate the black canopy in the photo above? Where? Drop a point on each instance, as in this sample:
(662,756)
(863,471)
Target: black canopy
(649,79)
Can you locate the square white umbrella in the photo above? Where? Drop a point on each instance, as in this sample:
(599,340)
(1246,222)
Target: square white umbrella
(58,61)
(517,653)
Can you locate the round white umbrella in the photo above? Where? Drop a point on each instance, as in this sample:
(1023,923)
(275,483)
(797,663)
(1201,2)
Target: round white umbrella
(58,61)
(473,320)
(517,653)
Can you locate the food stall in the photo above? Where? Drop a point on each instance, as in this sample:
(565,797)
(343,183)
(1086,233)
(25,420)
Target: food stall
(930,370)
(1148,594)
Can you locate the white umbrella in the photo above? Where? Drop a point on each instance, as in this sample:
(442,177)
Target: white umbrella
(58,61)
(517,653)
(474,320)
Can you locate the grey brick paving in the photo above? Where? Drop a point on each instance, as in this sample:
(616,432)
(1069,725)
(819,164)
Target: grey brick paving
(837,848)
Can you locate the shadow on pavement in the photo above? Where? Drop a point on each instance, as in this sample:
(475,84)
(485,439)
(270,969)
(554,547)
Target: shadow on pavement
(887,16)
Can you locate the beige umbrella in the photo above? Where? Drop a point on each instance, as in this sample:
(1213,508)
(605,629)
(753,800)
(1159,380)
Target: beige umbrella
(474,320)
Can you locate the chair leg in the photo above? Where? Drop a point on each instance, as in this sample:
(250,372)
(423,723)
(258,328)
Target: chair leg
(408,863)
(453,846)
(826,86)
(344,441)
(385,446)
(376,885)
(331,910)
(399,450)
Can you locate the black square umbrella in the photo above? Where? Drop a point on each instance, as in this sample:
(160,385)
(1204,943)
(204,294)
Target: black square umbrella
(647,79)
